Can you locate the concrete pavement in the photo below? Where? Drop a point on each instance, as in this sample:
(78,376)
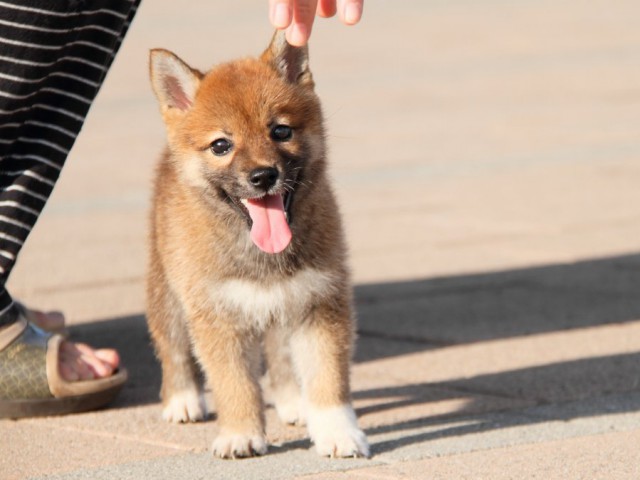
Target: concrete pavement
(487,160)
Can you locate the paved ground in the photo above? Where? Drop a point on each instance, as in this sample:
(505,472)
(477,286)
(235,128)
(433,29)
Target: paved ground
(487,159)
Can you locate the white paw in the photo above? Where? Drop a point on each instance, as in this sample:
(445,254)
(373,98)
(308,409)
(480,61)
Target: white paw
(336,434)
(291,411)
(185,406)
(238,445)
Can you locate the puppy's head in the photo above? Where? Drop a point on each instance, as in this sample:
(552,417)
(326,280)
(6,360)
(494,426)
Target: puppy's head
(246,133)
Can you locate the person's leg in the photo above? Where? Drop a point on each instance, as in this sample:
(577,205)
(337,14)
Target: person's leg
(53,59)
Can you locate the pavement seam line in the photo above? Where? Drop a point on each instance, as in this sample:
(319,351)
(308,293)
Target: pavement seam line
(130,438)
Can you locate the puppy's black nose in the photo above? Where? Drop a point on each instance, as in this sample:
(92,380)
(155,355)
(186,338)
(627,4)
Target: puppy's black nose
(263,178)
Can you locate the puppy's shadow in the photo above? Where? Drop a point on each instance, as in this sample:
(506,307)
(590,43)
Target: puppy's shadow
(405,318)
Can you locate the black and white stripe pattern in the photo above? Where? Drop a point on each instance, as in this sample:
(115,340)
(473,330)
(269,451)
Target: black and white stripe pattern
(54,55)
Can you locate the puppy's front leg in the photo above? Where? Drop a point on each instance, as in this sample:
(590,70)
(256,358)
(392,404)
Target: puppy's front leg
(321,350)
(228,355)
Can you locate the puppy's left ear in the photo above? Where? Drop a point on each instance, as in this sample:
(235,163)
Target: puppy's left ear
(174,82)
(291,62)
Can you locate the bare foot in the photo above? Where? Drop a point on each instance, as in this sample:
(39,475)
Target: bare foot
(78,361)
(52,321)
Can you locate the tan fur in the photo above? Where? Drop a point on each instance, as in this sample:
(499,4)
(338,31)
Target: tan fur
(212,294)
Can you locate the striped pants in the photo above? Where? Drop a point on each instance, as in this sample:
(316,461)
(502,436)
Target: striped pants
(54,55)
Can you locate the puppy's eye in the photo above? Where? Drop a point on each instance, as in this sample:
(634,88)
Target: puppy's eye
(221,146)
(281,133)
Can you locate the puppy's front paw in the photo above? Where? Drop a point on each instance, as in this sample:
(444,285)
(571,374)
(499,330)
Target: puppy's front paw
(185,406)
(238,445)
(351,442)
(336,434)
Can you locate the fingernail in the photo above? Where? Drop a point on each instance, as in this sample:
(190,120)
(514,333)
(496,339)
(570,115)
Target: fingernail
(281,16)
(352,13)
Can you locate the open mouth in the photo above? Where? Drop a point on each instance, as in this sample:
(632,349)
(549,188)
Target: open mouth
(268,217)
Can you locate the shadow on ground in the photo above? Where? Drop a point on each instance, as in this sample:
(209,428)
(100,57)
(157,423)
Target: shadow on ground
(465,309)
(408,317)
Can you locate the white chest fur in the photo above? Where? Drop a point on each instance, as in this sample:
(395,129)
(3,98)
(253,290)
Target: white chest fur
(257,303)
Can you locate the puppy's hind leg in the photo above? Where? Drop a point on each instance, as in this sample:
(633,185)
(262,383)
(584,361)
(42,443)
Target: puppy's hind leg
(283,386)
(181,392)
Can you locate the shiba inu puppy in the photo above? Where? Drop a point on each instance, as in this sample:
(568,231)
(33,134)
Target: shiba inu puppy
(247,253)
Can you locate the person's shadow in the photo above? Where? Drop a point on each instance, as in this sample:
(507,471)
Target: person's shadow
(406,317)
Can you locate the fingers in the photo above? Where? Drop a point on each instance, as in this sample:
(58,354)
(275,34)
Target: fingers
(304,12)
(280,13)
(326,8)
(297,16)
(294,15)
(350,11)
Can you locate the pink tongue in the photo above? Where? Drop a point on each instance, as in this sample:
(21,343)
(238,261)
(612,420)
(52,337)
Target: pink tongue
(270,231)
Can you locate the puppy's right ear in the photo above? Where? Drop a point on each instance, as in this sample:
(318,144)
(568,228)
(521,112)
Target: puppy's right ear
(174,82)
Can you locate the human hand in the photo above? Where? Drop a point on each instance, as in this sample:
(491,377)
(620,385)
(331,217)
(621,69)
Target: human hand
(297,16)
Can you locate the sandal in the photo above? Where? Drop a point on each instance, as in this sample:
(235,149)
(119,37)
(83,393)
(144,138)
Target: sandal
(30,382)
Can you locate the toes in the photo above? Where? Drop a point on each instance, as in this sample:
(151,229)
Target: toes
(80,362)
(109,356)
(86,362)
(68,372)
(183,407)
(348,443)
(93,359)
(239,445)
(71,360)
(336,434)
